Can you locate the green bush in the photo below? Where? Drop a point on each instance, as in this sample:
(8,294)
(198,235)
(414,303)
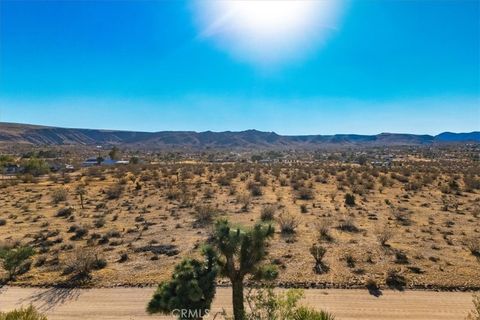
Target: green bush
(265,304)
(191,289)
(268,212)
(15,259)
(304,313)
(29,313)
(59,195)
(35,167)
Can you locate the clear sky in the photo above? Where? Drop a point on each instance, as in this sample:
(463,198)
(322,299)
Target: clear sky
(358,66)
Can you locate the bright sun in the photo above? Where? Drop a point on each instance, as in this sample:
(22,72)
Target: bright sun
(267,31)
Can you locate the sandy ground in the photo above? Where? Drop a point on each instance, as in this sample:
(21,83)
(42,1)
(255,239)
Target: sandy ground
(129,303)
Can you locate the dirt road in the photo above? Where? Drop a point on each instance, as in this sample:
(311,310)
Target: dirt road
(129,303)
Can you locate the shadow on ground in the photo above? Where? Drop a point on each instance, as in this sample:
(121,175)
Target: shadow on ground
(48,299)
(374,291)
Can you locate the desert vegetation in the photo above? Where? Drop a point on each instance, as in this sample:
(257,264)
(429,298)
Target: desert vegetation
(399,217)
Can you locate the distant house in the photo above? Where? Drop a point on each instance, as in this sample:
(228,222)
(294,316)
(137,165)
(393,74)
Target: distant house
(55,167)
(90,162)
(12,169)
(387,163)
(103,162)
(112,162)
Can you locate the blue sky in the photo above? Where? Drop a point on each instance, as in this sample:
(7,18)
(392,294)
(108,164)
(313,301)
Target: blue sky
(385,66)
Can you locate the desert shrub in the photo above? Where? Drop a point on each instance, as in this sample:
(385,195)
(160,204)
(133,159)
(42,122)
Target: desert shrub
(303,208)
(453,185)
(29,313)
(323,228)
(224,180)
(265,304)
(395,280)
(350,260)
(100,222)
(15,259)
(28,178)
(114,192)
(385,181)
(372,285)
(35,167)
(305,194)
(204,215)
(3,222)
(208,193)
(347,224)
(475,313)
(123,258)
(318,252)
(268,212)
(384,235)
(59,195)
(79,232)
(113,234)
(349,199)
(473,245)
(304,313)
(255,189)
(65,212)
(401,216)
(173,194)
(401,257)
(471,183)
(288,223)
(244,200)
(82,262)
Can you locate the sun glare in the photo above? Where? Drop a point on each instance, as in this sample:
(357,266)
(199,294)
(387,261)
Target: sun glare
(267,31)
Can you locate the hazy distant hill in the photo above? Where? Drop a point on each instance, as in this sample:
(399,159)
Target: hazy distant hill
(42,135)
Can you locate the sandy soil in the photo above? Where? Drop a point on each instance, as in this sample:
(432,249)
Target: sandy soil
(129,303)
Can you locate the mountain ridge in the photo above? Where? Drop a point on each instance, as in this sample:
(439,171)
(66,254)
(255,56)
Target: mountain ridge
(38,135)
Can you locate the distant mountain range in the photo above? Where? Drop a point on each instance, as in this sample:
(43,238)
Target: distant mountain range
(43,135)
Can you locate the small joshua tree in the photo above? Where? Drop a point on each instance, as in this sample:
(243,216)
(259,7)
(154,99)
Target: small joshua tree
(191,289)
(318,252)
(241,253)
(81,191)
(384,235)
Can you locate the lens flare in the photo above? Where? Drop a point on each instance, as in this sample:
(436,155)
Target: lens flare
(267,31)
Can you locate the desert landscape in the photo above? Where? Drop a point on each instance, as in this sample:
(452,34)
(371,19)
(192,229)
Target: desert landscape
(405,217)
(239,160)
(386,217)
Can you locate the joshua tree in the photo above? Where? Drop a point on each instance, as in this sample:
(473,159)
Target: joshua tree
(318,252)
(81,191)
(240,254)
(191,289)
